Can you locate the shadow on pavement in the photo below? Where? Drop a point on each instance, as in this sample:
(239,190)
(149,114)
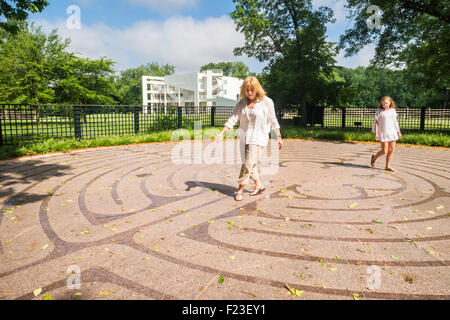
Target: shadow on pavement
(222,188)
(26,172)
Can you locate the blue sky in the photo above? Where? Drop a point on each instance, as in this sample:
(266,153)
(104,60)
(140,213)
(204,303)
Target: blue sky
(183,33)
(123,13)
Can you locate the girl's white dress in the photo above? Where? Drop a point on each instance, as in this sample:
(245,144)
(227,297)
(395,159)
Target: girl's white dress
(388,127)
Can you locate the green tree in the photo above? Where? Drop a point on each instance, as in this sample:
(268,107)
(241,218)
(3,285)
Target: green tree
(271,27)
(86,81)
(373,83)
(291,36)
(413,34)
(230,69)
(26,65)
(292,84)
(129,82)
(17,10)
(37,68)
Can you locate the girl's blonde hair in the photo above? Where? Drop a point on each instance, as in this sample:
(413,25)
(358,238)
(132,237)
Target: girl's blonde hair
(253,82)
(392,105)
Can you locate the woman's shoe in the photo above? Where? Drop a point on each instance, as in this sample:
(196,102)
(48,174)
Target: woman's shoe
(258,190)
(372,161)
(239,196)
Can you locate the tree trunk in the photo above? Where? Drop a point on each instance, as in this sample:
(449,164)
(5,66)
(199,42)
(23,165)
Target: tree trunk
(446,98)
(37,116)
(303,109)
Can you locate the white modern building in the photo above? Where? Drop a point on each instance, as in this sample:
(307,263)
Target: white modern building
(197,89)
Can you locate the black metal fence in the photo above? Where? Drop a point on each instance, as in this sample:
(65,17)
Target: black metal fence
(26,123)
(419,119)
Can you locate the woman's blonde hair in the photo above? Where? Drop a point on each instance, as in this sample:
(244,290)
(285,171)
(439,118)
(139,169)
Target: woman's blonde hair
(392,105)
(253,82)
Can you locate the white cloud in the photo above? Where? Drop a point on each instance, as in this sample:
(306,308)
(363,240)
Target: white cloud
(183,42)
(361,59)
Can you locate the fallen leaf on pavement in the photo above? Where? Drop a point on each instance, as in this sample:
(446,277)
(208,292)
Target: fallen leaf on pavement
(106,292)
(298,292)
(37,292)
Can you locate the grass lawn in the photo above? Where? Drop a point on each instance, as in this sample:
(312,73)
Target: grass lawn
(437,139)
(288,132)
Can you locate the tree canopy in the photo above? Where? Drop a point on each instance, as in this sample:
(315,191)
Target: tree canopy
(271,27)
(413,34)
(230,69)
(17,10)
(38,68)
(291,36)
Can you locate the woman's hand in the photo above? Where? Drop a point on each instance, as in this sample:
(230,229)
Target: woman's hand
(219,137)
(376,137)
(400,135)
(280,142)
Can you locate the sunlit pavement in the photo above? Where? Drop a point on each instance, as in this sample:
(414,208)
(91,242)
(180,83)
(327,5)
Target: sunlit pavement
(129,223)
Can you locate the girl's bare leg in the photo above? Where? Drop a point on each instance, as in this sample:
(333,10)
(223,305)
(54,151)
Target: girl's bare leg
(391,148)
(383,151)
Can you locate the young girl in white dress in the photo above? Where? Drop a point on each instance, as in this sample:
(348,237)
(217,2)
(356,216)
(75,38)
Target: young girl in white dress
(387,131)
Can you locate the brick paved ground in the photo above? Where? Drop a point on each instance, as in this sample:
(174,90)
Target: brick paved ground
(138,226)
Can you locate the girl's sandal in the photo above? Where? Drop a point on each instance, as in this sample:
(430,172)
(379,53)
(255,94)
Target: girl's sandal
(239,196)
(372,161)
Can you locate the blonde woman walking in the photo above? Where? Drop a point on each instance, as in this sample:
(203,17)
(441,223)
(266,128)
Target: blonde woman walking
(256,115)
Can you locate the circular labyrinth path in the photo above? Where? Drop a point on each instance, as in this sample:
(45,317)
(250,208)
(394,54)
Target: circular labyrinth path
(134,224)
